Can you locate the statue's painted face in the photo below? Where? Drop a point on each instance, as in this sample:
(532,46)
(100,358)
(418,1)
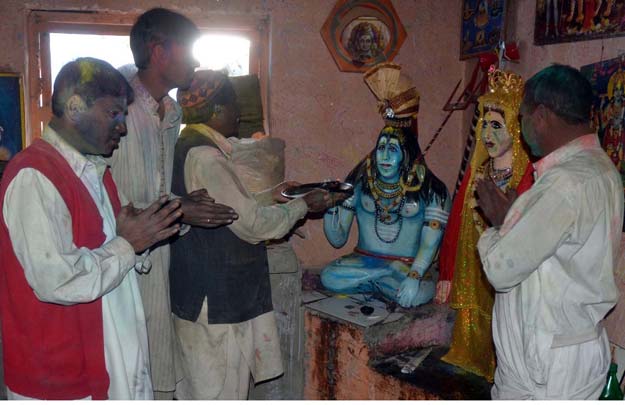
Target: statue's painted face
(495,135)
(389,156)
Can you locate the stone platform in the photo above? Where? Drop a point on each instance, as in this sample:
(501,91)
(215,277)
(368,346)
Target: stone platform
(347,361)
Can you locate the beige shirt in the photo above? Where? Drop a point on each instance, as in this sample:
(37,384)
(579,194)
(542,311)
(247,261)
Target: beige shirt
(39,224)
(211,168)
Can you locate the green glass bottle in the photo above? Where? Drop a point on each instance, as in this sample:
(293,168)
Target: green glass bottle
(612,390)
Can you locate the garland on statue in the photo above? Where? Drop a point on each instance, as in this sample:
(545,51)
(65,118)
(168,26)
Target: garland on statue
(501,177)
(395,192)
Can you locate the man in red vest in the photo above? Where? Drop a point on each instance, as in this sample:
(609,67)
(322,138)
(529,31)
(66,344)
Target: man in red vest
(73,325)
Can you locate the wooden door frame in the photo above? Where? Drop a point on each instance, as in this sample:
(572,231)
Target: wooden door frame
(40,23)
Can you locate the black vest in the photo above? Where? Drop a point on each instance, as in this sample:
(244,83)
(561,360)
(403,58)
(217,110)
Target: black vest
(214,263)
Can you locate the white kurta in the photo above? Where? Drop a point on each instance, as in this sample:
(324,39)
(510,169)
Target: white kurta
(551,264)
(142,168)
(218,359)
(39,224)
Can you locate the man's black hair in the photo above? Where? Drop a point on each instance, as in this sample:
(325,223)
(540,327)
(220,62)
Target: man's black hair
(159,25)
(563,90)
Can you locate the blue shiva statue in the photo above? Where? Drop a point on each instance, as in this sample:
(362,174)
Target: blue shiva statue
(401,208)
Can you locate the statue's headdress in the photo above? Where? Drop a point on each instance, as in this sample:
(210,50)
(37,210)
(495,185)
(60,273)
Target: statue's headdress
(398,99)
(505,89)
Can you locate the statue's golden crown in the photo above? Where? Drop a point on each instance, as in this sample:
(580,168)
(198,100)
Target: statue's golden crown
(505,88)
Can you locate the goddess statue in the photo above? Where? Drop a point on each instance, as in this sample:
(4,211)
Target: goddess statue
(500,157)
(401,207)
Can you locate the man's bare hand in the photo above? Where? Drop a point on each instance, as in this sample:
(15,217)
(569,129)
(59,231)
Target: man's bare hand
(200,209)
(144,228)
(338,197)
(276,192)
(318,200)
(493,202)
(200,195)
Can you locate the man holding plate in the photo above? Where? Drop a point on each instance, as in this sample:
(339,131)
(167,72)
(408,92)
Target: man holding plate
(220,290)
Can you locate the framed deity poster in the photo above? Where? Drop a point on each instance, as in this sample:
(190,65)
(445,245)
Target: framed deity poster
(12,131)
(362,33)
(578,20)
(482,26)
(608,111)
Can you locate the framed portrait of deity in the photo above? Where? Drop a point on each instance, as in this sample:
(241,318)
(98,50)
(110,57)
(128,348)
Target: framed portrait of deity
(362,33)
(483,23)
(608,111)
(578,20)
(12,131)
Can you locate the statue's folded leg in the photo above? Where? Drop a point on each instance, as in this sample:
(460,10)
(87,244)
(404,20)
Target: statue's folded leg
(389,286)
(351,280)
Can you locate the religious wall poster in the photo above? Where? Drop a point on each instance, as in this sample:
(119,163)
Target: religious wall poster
(578,20)
(482,26)
(12,132)
(608,82)
(362,33)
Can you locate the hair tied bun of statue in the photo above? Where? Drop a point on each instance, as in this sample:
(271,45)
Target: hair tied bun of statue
(398,98)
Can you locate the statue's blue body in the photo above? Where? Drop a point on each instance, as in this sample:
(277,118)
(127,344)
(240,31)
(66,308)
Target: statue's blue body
(390,245)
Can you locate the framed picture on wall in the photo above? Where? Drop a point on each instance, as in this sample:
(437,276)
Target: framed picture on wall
(12,131)
(608,111)
(578,20)
(483,23)
(362,33)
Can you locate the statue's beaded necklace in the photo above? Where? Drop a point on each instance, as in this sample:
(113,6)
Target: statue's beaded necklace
(395,191)
(501,177)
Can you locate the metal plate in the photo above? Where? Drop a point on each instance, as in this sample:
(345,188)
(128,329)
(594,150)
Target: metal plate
(331,186)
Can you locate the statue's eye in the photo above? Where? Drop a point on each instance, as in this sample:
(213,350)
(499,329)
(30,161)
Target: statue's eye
(393,148)
(496,124)
(381,147)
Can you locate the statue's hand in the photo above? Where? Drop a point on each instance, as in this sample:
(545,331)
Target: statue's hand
(408,290)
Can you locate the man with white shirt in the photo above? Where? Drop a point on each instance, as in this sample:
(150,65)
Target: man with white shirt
(162,46)
(73,325)
(550,253)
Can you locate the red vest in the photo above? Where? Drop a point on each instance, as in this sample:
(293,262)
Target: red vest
(52,351)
